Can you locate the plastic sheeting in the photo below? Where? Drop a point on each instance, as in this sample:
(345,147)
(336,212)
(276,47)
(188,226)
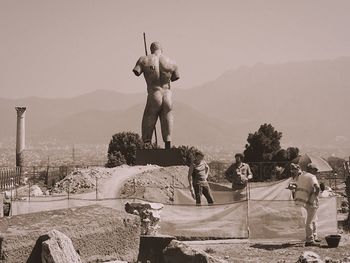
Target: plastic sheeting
(263,210)
(283,219)
(224,221)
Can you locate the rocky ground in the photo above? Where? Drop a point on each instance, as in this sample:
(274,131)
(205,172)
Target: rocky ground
(272,251)
(156,185)
(82,180)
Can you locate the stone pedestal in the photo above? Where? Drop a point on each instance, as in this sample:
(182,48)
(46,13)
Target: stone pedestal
(151,248)
(161,157)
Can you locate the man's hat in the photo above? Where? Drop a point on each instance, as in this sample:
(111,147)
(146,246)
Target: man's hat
(294,166)
(239,155)
(312,167)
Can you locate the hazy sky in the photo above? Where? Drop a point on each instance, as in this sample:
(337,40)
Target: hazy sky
(68,47)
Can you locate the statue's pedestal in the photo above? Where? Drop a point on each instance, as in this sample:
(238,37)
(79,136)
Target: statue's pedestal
(161,157)
(151,248)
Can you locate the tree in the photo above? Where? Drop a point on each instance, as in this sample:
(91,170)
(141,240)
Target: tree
(263,152)
(263,144)
(292,153)
(122,148)
(188,153)
(338,165)
(282,156)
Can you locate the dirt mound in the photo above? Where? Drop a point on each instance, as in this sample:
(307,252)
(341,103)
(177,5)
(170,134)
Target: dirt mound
(82,180)
(156,185)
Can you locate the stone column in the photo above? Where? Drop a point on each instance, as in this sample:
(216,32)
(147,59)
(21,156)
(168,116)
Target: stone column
(20,138)
(149,214)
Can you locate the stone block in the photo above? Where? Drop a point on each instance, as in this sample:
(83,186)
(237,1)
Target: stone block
(177,251)
(151,248)
(58,248)
(309,257)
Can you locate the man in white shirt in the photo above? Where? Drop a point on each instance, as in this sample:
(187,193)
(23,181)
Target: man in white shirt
(306,195)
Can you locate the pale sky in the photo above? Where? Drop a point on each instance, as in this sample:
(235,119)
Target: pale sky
(63,48)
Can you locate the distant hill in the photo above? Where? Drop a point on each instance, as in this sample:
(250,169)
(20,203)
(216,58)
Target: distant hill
(43,113)
(307,101)
(192,127)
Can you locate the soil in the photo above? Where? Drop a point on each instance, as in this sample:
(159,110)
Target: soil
(271,251)
(156,185)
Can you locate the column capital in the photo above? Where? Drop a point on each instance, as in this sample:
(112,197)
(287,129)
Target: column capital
(20,111)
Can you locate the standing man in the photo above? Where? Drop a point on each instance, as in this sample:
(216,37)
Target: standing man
(239,173)
(197,179)
(306,195)
(158,71)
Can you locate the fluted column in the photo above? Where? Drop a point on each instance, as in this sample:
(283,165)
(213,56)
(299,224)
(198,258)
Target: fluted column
(20,138)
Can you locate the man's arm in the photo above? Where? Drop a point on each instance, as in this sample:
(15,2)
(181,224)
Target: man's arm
(190,171)
(249,173)
(207,170)
(316,186)
(316,189)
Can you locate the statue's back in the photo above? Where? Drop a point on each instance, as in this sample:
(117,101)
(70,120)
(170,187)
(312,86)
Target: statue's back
(158,70)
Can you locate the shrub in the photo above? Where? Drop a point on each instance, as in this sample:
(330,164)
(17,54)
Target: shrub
(187,153)
(122,148)
(115,159)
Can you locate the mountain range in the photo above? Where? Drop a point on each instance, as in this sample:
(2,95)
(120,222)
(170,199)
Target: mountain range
(307,101)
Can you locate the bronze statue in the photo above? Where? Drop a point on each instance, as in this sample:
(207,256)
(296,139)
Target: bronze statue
(158,71)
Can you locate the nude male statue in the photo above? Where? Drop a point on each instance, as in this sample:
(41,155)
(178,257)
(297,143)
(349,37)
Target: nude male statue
(158,71)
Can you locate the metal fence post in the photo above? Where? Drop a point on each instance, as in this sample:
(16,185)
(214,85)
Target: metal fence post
(134,185)
(96,188)
(173,195)
(11,179)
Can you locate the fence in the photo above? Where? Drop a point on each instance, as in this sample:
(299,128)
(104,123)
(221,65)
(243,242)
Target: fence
(260,211)
(9,178)
(272,171)
(262,171)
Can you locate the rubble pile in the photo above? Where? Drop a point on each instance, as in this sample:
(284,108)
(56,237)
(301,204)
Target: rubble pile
(81,180)
(156,185)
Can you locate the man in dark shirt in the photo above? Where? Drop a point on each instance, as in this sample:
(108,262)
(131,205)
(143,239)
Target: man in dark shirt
(197,179)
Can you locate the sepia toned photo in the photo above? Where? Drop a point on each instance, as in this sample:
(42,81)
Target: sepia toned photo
(174,131)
